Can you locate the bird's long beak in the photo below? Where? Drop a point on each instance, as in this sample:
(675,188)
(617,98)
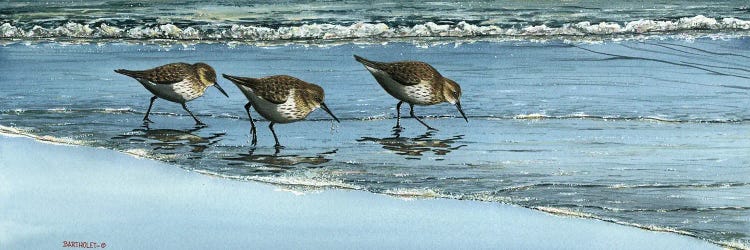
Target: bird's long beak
(220,89)
(323,105)
(458,105)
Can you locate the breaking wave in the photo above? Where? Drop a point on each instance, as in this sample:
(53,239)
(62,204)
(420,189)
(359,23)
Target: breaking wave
(238,32)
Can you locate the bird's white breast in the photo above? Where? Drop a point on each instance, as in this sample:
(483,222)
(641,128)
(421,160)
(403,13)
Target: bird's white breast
(280,113)
(179,92)
(417,94)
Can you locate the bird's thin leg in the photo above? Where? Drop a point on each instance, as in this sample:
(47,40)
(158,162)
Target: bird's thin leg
(252,123)
(145,118)
(277,146)
(398,115)
(197,122)
(411,111)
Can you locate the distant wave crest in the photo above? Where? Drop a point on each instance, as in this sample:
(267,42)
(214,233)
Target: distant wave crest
(239,32)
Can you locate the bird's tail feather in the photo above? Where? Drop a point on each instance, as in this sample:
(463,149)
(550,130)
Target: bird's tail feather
(365,61)
(130,73)
(238,79)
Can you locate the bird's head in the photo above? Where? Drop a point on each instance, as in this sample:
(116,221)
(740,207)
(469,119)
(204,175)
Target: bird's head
(315,96)
(207,76)
(452,94)
(206,73)
(451,91)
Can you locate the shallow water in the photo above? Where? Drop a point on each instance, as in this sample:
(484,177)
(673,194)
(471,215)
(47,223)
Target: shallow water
(652,132)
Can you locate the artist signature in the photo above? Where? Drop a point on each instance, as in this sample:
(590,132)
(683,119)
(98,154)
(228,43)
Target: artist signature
(84,244)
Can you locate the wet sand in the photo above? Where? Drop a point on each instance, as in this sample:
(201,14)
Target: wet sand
(52,193)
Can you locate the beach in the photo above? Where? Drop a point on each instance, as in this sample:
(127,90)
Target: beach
(620,120)
(49,196)
(611,131)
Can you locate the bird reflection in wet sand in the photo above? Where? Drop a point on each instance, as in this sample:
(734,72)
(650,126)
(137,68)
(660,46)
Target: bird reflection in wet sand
(279,163)
(172,139)
(416,146)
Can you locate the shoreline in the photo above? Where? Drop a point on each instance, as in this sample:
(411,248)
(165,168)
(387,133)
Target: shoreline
(123,201)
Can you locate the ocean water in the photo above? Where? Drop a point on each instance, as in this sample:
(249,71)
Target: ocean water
(634,113)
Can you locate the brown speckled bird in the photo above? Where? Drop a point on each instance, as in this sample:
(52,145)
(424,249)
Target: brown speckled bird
(176,82)
(279,99)
(414,83)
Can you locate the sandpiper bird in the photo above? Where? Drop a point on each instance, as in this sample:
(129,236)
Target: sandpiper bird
(414,83)
(279,99)
(176,82)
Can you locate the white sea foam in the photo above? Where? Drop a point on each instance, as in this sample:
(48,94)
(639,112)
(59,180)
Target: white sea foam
(377,117)
(303,181)
(429,193)
(8,30)
(490,197)
(14,131)
(138,152)
(568,212)
(581,115)
(117,110)
(145,153)
(239,32)
(735,244)
(19,110)
(27,132)
(565,212)
(59,110)
(416,193)
(578,115)
(298,181)
(61,140)
(228,115)
(530,116)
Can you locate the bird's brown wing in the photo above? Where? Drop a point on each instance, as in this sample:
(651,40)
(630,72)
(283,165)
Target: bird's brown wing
(410,73)
(166,74)
(275,89)
(407,73)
